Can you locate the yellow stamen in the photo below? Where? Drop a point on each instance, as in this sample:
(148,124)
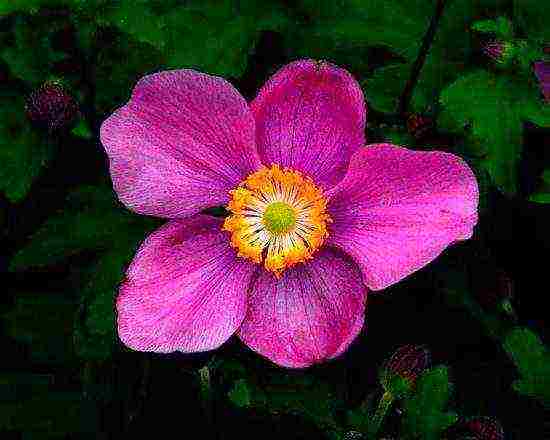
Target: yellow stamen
(278,218)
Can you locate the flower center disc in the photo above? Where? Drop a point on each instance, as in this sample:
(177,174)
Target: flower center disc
(278,218)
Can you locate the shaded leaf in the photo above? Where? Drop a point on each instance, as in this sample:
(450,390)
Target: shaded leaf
(23,152)
(532,360)
(43,322)
(425,415)
(490,111)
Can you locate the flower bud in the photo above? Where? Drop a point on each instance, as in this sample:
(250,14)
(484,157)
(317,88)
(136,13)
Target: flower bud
(399,373)
(495,292)
(542,72)
(484,428)
(418,125)
(52,107)
(500,52)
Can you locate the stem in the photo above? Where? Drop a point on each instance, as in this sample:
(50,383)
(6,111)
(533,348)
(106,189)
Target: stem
(406,96)
(207,399)
(383,406)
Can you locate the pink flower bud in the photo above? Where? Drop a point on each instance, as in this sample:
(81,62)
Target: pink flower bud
(542,72)
(400,372)
(485,428)
(418,125)
(51,106)
(409,361)
(501,52)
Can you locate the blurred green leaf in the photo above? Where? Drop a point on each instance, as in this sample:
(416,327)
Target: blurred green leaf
(30,404)
(343,32)
(278,391)
(91,220)
(500,26)
(212,36)
(114,80)
(533,15)
(30,55)
(532,360)
(23,152)
(43,322)
(425,415)
(240,394)
(542,195)
(445,60)
(490,110)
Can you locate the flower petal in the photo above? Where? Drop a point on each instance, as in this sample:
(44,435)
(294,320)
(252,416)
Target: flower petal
(397,209)
(309,315)
(185,289)
(180,144)
(310,116)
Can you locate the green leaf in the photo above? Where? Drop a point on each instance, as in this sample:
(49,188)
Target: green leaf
(489,110)
(345,32)
(532,360)
(280,391)
(533,15)
(30,55)
(425,415)
(91,220)
(115,80)
(542,195)
(240,394)
(43,322)
(444,62)
(23,152)
(212,36)
(501,27)
(30,404)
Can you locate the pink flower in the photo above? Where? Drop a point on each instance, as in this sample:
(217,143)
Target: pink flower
(316,219)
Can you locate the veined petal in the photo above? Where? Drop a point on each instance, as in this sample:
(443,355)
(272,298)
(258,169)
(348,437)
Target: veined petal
(185,290)
(312,313)
(180,144)
(310,116)
(397,209)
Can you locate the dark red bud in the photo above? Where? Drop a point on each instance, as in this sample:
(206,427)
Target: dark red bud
(52,107)
(419,125)
(499,51)
(485,428)
(542,72)
(408,361)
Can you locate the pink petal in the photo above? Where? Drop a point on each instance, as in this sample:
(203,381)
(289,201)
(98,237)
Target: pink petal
(309,315)
(180,144)
(397,209)
(185,289)
(310,116)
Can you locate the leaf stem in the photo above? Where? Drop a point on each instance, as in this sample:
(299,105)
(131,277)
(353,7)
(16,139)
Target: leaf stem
(406,96)
(383,406)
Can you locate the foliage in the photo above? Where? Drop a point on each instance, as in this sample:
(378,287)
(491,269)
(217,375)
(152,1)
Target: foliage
(23,151)
(532,360)
(90,221)
(425,414)
(67,241)
(490,109)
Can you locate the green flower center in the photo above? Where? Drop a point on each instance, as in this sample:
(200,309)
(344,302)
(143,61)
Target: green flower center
(279,218)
